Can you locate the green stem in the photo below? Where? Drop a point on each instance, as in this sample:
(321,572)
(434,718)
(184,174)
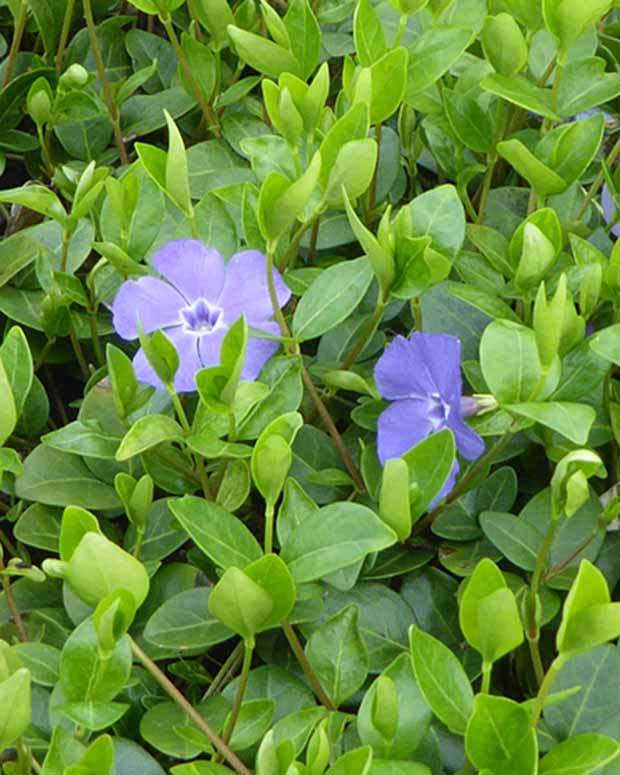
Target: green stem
(94,336)
(171,690)
(305,665)
(18,32)
(105,84)
(545,688)
(198,461)
(44,351)
(79,352)
(486,188)
(314,236)
(487,669)
(139,540)
(12,605)
(533,630)
(269,514)
(45,151)
(307,379)
(402,26)
(368,331)
(248,650)
(64,255)
(372,193)
(24,758)
(64,35)
(229,666)
(212,124)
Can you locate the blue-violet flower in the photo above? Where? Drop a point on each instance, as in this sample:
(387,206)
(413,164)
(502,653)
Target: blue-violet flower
(609,209)
(421,376)
(198,300)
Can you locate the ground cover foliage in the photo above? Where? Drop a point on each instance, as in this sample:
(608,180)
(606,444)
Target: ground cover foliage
(309,416)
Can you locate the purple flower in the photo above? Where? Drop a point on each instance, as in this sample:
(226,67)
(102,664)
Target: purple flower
(201,299)
(421,376)
(609,209)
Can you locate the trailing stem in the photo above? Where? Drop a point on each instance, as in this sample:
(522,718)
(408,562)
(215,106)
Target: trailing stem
(171,690)
(105,84)
(20,26)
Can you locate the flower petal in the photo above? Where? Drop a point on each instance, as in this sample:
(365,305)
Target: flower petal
(197,271)
(153,301)
(609,209)
(442,355)
(401,372)
(468,442)
(448,486)
(246,291)
(209,346)
(401,426)
(189,362)
(260,351)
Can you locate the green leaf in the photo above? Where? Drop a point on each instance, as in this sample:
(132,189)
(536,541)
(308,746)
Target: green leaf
(220,535)
(353,125)
(368,34)
(388,77)
(500,737)
(606,343)
(59,479)
(338,655)
(540,176)
(272,574)
(486,579)
(8,410)
(500,625)
(575,148)
(358,761)
(42,660)
(184,622)
(15,712)
(522,92)
(442,680)
(573,421)
(380,259)
(215,15)
(395,693)
(509,361)
(304,34)
(264,55)
(240,604)
(430,463)
(18,366)
(432,54)
(469,122)
(518,541)
(83,438)
(331,298)
(584,85)
(335,537)
(177,178)
(93,715)
(439,214)
(146,433)
(580,755)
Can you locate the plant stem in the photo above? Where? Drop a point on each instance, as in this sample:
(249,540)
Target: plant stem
(487,669)
(311,676)
(209,116)
(554,570)
(24,757)
(248,651)
(64,35)
(172,691)
(372,193)
(79,353)
(533,630)
(314,236)
(10,600)
(269,513)
(545,687)
(368,331)
(486,188)
(105,84)
(307,380)
(20,26)
(402,26)
(230,664)
(198,461)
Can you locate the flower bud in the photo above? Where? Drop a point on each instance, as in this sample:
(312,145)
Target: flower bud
(39,102)
(394,504)
(98,567)
(548,318)
(74,77)
(504,45)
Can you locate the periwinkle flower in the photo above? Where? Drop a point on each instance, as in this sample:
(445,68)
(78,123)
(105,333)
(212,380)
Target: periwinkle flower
(421,376)
(609,209)
(195,304)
